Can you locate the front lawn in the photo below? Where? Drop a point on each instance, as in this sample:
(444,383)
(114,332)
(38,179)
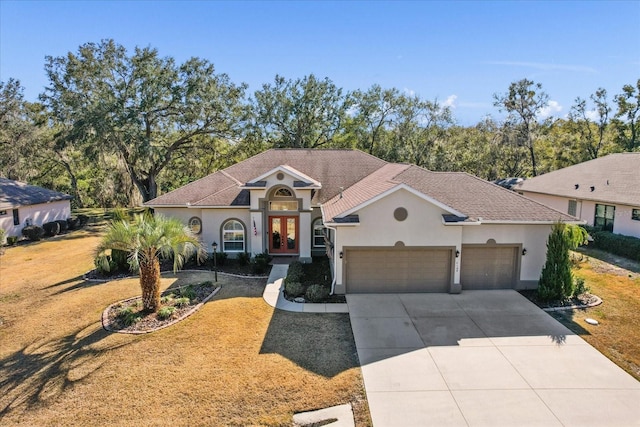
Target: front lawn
(236,361)
(618,334)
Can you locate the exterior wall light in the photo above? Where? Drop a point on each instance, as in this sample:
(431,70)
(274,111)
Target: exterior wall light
(341,254)
(457,253)
(524,251)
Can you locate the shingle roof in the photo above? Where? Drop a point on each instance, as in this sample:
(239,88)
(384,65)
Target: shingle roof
(477,198)
(615,179)
(332,168)
(360,177)
(16,193)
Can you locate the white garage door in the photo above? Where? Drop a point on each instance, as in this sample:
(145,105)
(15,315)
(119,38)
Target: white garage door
(405,269)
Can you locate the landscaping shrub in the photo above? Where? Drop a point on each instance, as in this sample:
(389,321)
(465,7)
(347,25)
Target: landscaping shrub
(73,223)
(83,220)
(295,272)
(166,299)
(119,214)
(221,258)
(294,289)
(33,233)
(51,228)
(579,287)
(181,302)
(618,244)
(128,316)
(316,293)
(12,240)
(259,265)
(188,292)
(166,312)
(63,225)
(2,234)
(556,280)
(105,265)
(243,258)
(119,259)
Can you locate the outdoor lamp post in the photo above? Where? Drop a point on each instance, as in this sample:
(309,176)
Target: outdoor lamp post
(215,260)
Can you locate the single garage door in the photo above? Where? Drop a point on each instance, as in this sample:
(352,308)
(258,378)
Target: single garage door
(489,267)
(406,269)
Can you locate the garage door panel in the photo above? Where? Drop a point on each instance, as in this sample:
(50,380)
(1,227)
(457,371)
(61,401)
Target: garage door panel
(488,267)
(398,270)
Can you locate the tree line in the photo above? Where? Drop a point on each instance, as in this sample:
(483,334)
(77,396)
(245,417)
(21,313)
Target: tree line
(115,128)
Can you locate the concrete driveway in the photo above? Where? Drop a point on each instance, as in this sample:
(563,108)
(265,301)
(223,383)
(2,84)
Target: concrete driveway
(482,358)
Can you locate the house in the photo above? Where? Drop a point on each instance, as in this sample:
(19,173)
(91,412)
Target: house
(604,192)
(23,204)
(387,227)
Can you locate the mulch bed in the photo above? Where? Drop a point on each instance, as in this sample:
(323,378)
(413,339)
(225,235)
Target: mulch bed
(113,320)
(580,300)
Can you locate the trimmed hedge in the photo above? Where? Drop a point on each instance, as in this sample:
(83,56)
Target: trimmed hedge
(51,228)
(618,244)
(33,233)
(64,226)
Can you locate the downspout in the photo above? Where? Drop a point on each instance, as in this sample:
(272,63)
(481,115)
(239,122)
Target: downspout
(335,259)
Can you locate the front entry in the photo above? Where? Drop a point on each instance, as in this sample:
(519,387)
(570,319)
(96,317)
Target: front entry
(283,234)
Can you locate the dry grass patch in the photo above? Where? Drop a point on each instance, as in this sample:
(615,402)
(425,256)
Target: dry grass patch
(618,334)
(237,361)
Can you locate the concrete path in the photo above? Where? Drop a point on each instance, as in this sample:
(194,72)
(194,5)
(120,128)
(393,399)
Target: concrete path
(274,295)
(482,358)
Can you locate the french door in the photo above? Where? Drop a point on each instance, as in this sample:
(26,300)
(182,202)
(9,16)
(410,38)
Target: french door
(283,234)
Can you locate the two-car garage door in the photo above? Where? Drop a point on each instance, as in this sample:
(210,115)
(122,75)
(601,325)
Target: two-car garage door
(398,269)
(423,269)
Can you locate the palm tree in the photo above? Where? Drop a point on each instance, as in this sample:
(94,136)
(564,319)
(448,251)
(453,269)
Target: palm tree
(146,239)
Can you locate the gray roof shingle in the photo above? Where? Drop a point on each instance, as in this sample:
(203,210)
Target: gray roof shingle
(350,178)
(615,179)
(16,193)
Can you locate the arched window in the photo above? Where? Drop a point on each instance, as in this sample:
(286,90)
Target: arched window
(319,233)
(283,192)
(233,236)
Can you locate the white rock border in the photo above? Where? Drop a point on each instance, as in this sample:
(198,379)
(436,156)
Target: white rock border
(107,327)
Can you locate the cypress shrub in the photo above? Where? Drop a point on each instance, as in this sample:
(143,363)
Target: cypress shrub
(556,280)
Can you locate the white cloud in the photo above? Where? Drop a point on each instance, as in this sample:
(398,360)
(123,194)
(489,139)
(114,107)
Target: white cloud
(450,101)
(551,108)
(592,115)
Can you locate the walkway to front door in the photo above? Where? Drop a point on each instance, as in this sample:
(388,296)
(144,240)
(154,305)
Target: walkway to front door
(283,234)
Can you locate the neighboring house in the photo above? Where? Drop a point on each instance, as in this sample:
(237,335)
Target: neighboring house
(604,192)
(23,204)
(389,227)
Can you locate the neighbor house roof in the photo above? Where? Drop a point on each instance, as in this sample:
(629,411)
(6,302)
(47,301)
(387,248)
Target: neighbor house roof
(613,179)
(16,193)
(350,179)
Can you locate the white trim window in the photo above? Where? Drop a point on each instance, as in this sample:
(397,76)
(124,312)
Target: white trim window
(233,236)
(319,233)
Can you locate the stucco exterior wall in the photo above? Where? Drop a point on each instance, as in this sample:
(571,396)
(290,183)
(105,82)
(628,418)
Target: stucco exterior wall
(378,227)
(212,220)
(586,209)
(36,215)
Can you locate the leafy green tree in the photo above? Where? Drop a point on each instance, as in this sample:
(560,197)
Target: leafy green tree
(628,117)
(556,280)
(591,131)
(141,107)
(301,113)
(146,239)
(523,103)
(374,113)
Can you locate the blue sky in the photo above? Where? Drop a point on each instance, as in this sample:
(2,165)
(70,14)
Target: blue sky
(458,52)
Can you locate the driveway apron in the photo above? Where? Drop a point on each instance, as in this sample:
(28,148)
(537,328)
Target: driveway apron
(482,358)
